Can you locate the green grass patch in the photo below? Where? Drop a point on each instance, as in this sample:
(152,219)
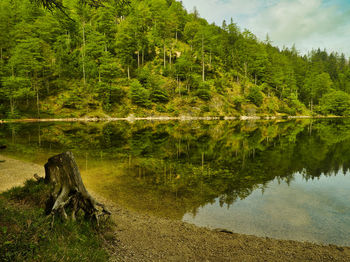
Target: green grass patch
(26,234)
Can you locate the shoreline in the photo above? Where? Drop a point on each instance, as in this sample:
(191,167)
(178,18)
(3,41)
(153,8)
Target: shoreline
(163,118)
(143,237)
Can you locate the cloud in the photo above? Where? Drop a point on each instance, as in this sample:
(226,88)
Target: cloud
(304,22)
(307,23)
(219,10)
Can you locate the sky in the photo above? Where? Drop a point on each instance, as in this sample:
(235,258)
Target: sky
(309,24)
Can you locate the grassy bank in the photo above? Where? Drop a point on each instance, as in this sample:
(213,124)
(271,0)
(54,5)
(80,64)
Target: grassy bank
(26,234)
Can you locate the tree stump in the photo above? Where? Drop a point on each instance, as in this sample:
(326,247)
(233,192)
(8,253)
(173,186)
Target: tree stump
(68,191)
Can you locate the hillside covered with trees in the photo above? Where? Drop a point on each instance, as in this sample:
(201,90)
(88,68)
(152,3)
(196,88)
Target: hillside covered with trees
(154,58)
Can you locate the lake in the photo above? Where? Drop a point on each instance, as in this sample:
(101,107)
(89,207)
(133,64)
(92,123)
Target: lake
(280,179)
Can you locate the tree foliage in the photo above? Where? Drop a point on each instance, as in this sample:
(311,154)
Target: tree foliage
(336,103)
(102,46)
(58,4)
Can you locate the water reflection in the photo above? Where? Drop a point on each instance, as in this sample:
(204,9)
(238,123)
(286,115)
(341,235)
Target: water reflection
(316,211)
(266,178)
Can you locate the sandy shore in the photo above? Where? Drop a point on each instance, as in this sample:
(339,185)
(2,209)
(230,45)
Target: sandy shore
(140,237)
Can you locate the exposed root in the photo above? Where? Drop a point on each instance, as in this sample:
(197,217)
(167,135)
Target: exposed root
(38,178)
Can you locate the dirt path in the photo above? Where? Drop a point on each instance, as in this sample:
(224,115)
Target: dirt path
(139,237)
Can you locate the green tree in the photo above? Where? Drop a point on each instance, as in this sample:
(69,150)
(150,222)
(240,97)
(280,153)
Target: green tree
(27,61)
(15,89)
(126,45)
(255,95)
(335,102)
(315,87)
(139,94)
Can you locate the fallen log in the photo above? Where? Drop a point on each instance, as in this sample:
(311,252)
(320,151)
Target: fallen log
(3,146)
(68,191)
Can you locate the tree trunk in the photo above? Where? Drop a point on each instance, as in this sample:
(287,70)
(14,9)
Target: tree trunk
(83,54)
(12,105)
(164,56)
(311,105)
(203,67)
(143,56)
(210,58)
(68,190)
(138,59)
(171,50)
(37,101)
(255,79)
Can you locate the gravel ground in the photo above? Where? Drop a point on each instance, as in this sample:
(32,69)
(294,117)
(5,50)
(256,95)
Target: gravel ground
(140,237)
(15,172)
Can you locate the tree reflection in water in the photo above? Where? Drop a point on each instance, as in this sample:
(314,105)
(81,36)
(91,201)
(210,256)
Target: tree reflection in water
(171,168)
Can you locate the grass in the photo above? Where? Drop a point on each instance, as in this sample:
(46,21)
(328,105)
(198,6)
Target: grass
(26,235)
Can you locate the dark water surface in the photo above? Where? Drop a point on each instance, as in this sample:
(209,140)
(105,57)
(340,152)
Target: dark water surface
(287,180)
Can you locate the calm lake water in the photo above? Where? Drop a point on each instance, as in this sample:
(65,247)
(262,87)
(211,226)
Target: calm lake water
(287,180)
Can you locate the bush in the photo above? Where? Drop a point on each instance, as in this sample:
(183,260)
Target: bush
(205,109)
(109,95)
(116,94)
(139,95)
(238,101)
(170,109)
(255,96)
(204,85)
(295,104)
(220,84)
(183,91)
(194,81)
(203,94)
(159,95)
(144,74)
(161,109)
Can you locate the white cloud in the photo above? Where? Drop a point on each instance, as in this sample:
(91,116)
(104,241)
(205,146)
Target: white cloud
(307,23)
(219,10)
(300,22)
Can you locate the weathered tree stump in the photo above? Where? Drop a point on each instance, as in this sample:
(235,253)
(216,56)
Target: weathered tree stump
(68,191)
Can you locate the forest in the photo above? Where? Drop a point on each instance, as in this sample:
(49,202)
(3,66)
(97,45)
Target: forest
(154,58)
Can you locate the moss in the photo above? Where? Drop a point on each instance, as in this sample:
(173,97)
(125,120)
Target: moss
(26,235)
